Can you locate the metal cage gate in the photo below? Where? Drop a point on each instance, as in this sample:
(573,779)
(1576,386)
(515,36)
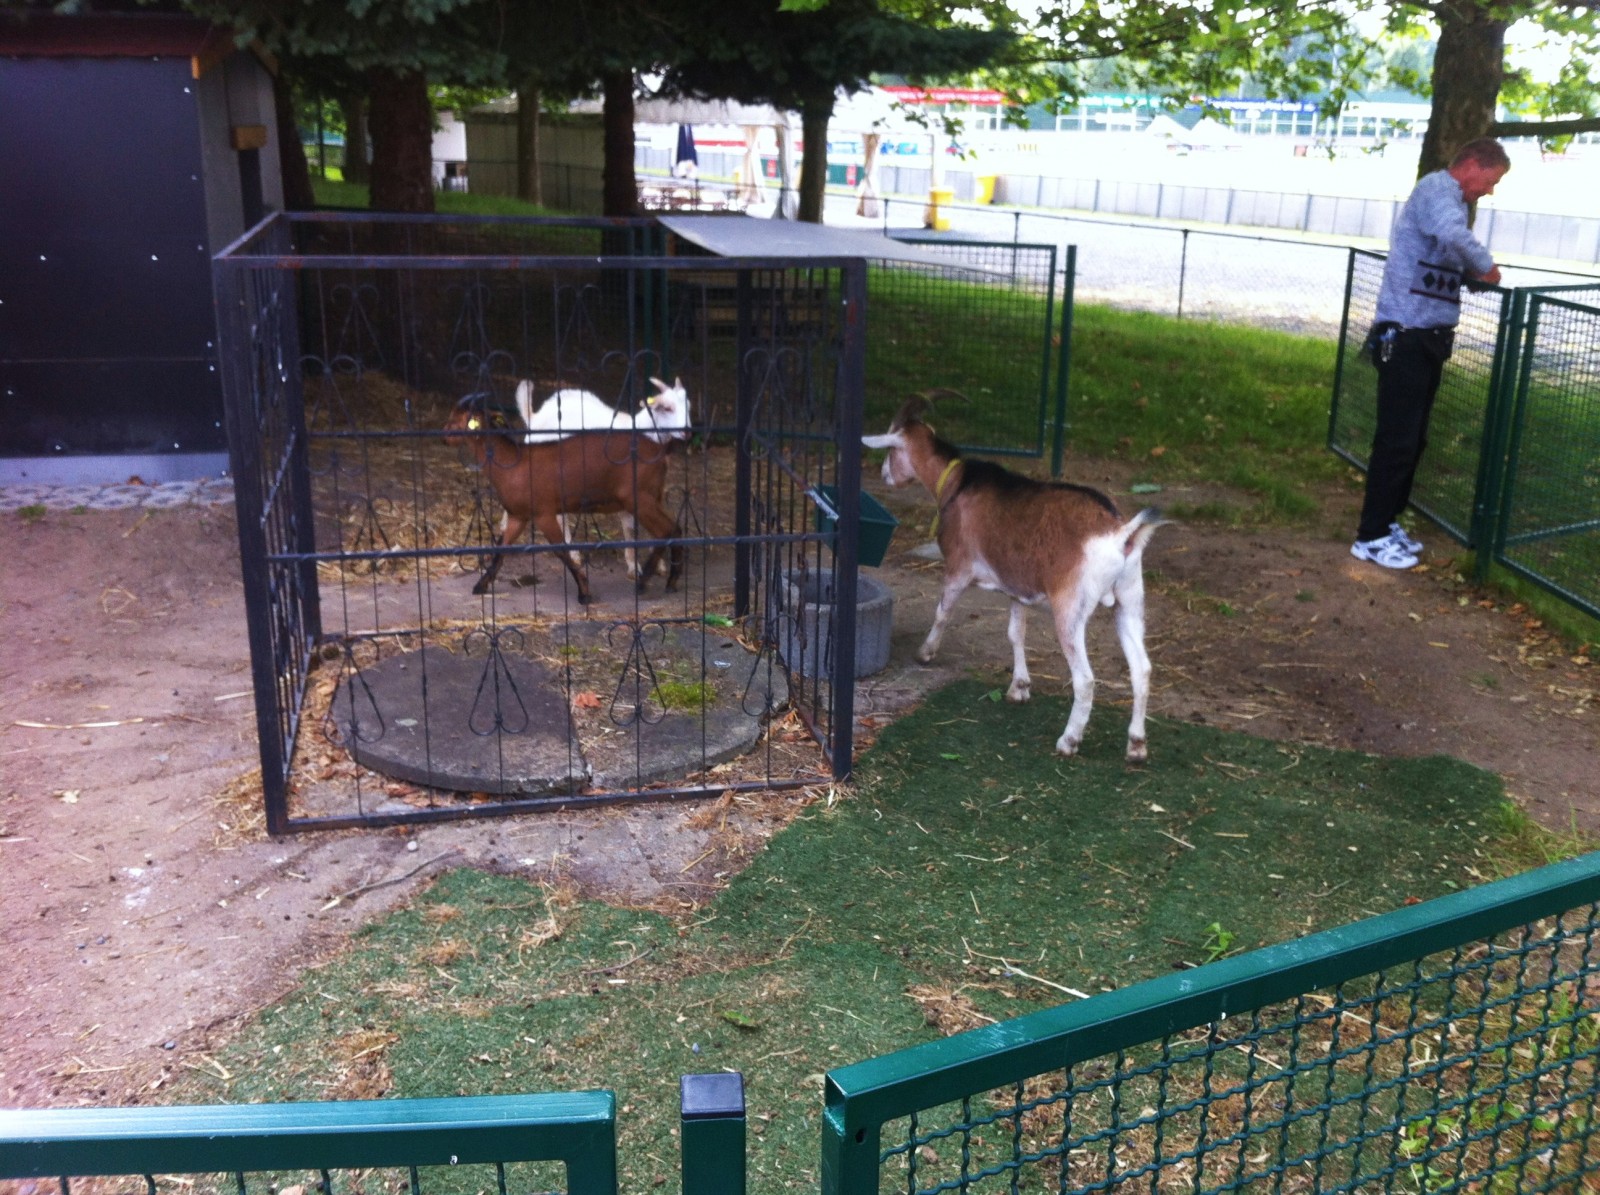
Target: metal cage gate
(373,367)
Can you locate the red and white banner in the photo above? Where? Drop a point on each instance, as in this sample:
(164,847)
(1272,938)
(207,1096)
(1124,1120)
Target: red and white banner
(946,95)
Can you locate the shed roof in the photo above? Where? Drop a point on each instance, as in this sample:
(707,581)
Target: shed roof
(745,236)
(116,35)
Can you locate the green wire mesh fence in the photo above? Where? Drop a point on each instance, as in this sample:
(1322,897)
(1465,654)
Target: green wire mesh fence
(525,1143)
(1549,519)
(1447,1046)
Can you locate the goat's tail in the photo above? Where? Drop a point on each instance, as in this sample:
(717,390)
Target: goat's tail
(1136,532)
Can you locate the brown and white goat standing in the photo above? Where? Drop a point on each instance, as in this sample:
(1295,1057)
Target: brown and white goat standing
(1036,542)
(602,472)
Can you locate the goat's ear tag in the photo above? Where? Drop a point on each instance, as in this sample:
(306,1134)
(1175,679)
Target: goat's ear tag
(650,401)
(472,425)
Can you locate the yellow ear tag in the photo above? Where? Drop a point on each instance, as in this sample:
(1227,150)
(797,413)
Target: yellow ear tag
(651,401)
(473,425)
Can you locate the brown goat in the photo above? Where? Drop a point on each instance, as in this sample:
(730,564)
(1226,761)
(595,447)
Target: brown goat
(604,472)
(1037,542)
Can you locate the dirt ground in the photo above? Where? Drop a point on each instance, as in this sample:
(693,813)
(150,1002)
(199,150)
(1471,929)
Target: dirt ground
(146,910)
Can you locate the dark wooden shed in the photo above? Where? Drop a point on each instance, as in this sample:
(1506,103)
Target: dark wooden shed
(135,146)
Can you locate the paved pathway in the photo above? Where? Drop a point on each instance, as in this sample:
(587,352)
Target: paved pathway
(205,491)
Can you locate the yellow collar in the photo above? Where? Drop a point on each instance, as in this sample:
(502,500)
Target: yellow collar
(938,489)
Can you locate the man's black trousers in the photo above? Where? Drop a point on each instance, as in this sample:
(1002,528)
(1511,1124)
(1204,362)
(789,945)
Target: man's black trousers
(1408,382)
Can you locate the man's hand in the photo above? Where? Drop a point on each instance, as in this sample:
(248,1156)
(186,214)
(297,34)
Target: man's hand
(1482,281)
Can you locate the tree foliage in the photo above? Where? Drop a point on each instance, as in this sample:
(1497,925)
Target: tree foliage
(1295,49)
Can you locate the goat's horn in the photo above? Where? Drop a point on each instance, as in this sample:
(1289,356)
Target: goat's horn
(910,411)
(660,385)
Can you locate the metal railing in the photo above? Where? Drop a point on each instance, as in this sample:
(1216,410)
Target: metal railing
(558,1141)
(1450,1045)
(1547,513)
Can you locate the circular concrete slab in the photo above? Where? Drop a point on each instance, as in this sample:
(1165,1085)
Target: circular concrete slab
(474,723)
(629,705)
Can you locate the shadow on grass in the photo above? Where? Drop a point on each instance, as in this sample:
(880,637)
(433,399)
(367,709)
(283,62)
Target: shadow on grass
(974,876)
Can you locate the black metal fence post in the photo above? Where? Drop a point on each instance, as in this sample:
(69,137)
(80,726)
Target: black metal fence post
(846,558)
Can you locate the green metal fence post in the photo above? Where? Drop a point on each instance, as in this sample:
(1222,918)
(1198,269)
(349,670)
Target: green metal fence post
(1503,378)
(712,1118)
(1069,285)
(1338,361)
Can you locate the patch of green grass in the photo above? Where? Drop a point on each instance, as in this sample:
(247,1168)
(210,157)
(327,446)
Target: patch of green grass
(1186,400)
(336,193)
(686,695)
(971,860)
(31,513)
(1214,510)
(1560,616)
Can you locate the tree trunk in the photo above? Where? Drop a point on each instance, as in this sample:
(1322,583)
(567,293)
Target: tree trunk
(296,174)
(814,160)
(1468,68)
(402,142)
(356,167)
(530,183)
(619,186)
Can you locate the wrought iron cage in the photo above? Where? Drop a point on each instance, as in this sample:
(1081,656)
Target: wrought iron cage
(392,688)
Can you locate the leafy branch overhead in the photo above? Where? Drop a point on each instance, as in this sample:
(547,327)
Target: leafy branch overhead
(797,54)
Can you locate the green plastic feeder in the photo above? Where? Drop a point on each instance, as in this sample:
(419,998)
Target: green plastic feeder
(876,529)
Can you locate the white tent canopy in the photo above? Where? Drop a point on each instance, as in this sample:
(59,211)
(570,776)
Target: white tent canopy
(661,110)
(1166,128)
(1212,132)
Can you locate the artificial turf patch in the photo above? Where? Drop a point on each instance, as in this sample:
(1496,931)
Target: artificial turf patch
(974,875)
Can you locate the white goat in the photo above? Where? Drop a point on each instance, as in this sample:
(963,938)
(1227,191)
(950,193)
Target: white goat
(665,415)
(568,411)
(1036,542)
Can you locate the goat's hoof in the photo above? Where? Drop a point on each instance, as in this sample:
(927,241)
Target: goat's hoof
(1019,691)
(1066,746)
(924,656)
(1138,751)
(480,588)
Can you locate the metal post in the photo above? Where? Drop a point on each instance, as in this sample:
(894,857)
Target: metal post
(1504,376)
(852,389)
(1183,270)
(230,287)
(743,416)
(1063,371)
(322,152)
(1338,360)
(712,1123)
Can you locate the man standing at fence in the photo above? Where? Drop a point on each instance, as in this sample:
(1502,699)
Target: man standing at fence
(1431,253)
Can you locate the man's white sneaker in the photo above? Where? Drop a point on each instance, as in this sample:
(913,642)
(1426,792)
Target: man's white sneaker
(1403,537)
(1387,552)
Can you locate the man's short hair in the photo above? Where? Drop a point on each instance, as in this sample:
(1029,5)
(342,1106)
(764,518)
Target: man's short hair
(1485,151)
